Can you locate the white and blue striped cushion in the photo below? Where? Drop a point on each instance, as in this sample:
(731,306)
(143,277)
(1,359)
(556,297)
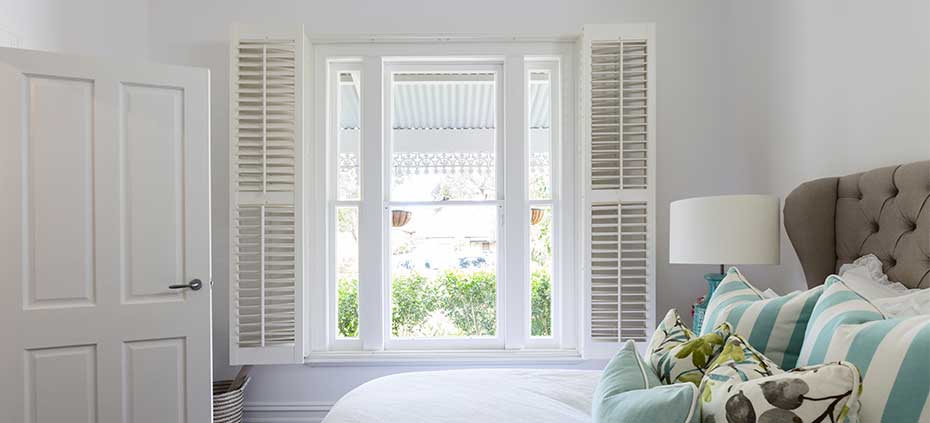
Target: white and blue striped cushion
(893,355)
(774,326)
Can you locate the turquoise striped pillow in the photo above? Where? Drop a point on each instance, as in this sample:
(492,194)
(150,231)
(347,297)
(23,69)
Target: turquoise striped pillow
(892,354)
(774,326)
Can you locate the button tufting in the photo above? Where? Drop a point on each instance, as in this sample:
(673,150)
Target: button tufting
(874,227)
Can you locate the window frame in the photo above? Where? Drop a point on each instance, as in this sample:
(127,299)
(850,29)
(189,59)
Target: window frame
(553,67)
(332,112)
(427,65)
(516,59)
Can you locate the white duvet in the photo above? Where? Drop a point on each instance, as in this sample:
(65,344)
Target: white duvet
(473,396)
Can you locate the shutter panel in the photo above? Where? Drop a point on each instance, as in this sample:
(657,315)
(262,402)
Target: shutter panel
(618,114)
(605,271)
(266,287)
(634,284)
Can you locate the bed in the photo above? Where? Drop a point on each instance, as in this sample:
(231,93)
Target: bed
(830,222)
(475,395)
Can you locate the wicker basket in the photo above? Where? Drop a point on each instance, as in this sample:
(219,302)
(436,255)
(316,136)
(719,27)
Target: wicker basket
(227,404)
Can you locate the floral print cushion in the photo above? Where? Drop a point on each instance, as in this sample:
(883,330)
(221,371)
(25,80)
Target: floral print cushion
(738,362)
(677,355)
(743,386)
(669,332)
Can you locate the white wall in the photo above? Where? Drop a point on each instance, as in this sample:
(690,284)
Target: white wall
(689,95)
(86,27)
(826,88)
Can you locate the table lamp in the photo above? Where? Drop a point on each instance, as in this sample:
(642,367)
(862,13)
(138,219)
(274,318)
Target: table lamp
(727,229)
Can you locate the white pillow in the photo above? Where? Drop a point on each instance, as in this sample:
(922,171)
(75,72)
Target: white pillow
(868,288)
(913,304)
(894,300)
(865,276)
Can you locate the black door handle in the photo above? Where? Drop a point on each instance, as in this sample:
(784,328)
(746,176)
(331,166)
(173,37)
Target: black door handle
(194,285)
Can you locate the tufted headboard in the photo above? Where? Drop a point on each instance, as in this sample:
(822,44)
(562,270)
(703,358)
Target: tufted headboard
(886,212)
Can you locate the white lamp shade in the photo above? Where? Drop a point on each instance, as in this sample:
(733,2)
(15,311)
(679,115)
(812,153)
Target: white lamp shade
(728,229)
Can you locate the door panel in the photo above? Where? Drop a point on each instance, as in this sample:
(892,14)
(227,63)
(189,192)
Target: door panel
(59,163)
(154,380)
(61,384)
(105,174)
(153,139)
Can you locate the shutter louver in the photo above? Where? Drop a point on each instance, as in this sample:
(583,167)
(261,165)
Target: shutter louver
(619,264)
(266,115)
(634,258)
(605,272)
(605,115)
(619,115)
(634,115)
(618,111)
(265,296)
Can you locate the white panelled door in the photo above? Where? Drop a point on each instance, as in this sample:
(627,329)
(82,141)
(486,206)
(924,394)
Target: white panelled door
(104,180)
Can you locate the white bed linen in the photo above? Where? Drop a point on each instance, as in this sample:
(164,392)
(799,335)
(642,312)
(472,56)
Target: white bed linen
(473,396)
(865,277)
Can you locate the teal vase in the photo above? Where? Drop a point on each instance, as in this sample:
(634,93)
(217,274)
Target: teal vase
(713,279)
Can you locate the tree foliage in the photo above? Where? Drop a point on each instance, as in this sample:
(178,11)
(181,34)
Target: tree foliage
(541,304)
(414,299)
(467,299)
(470,301)
(348,307)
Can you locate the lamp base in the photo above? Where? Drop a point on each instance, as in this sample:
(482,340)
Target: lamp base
(713,279)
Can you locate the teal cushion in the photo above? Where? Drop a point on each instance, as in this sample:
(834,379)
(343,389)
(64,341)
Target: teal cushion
(662,404)
(625,372)
(629,391)
(893,354)
(774,326)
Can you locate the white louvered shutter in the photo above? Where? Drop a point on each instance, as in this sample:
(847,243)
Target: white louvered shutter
(266,280)
(618,123)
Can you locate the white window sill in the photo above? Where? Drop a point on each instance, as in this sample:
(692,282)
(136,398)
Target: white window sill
(442,358)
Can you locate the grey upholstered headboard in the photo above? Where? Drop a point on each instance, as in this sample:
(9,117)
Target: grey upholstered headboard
(886,212)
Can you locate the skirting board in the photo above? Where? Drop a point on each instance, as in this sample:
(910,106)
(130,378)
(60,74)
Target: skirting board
(286,412)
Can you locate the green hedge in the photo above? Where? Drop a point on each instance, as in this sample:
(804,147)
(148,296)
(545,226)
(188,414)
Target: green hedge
(541,304)
(348,307)
(468,300)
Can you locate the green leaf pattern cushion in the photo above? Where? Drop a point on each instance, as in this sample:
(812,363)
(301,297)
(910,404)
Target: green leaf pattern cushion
(738,362)
(743,386)
(669,332)
(677,355)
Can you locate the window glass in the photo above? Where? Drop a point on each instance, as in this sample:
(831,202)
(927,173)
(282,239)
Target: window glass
(540,111)
(348,122)
(443,136)
(540,270)
(347,271)
(443,270)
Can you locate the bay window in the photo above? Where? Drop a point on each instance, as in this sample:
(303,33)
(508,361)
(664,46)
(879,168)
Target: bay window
(443,204)
(429,199)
